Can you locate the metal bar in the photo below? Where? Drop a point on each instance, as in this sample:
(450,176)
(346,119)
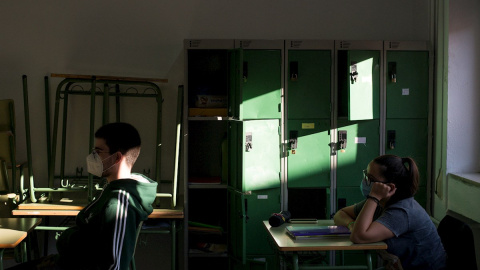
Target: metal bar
(12,142)
(47,121)
(159,137)
(50,228)
(92,133)
(64,135)
(59,189)
(84,93)
(174,244)
(27,131)
(73,76)
(177,145)
(1,258)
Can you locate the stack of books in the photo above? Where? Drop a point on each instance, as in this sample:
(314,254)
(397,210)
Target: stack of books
(315,232)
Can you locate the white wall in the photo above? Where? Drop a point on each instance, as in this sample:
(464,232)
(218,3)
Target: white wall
(463,153)
(144,39)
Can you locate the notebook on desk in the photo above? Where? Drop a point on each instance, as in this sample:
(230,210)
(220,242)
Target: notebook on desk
(312,232)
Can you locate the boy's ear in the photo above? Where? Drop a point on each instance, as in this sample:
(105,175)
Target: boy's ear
(118,156)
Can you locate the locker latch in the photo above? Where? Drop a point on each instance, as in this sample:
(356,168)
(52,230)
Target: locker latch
(245,71)
(391,139)
(342,140)
(248,142)
(353,72)
(293,71)
(392,71)
(293,139)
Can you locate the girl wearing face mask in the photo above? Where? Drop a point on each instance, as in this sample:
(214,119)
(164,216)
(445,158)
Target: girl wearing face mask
(390,213)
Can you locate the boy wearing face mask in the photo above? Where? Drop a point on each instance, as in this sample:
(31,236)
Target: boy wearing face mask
(106,228)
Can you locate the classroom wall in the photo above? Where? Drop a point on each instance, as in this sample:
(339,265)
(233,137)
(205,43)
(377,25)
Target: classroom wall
(145,39)
(463,153)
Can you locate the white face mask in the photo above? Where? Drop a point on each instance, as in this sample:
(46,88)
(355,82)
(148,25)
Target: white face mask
(95,164)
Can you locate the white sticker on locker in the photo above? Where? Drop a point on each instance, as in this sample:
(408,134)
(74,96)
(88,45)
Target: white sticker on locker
(405,91)
(262,197)
(360,139)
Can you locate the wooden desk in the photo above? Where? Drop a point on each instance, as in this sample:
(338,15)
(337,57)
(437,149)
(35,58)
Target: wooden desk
(287,245)
(69,210)
(13,231)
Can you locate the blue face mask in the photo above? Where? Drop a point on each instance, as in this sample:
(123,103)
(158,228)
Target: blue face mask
(364,188)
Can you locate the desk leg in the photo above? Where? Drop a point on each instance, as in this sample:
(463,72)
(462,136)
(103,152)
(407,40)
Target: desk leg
(1,258)
(369,259)
(174,243)
(295,261)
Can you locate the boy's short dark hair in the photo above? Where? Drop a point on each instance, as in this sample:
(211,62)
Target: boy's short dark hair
(121,137)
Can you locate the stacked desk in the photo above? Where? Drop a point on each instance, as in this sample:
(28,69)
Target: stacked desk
(291,248)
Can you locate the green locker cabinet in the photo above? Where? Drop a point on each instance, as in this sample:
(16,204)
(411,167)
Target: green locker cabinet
(309,84)
(407,106)
(256,88)
(254,185)
(358,116)
(358,113)
(250,239)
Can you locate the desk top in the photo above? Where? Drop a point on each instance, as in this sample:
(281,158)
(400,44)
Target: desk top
(157,213)
(14,230)
(285,243)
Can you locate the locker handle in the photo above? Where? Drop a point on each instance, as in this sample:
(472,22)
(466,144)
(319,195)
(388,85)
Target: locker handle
(245,71)
(342,139)
(353,73)
(391,139)
(294,71)
(293,139)
(392,71)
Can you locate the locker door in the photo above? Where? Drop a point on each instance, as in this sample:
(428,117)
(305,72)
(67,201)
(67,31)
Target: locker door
(309,112)
(237,225)
(309,84)
(259,96)
(358,117)
(261,155)
(260,205)
(363,85)
(407,110)
(309,153)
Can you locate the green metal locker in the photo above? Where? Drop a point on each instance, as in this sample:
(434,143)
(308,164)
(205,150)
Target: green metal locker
(247,212)
(256,89)
(358,114)
(362,147)
(309,113)
(309,153)
(254,184)
(254,154)
(407,97)
(309,84)
(407,110)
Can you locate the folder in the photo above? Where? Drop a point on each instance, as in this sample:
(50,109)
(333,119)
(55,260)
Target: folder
(312,232)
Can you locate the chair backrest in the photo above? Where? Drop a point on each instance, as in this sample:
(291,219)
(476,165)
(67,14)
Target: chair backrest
(7,115)
(132,262)
(4,189)
(458,241)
